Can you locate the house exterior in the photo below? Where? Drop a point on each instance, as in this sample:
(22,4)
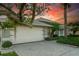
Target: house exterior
(60,32)
(24,34)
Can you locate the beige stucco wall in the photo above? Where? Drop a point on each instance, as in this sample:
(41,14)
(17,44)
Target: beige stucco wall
(25,34)
(11,38)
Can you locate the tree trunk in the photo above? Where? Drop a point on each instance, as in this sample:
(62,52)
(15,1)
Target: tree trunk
(8,9)
(33,10)
(65,19)
(20,12)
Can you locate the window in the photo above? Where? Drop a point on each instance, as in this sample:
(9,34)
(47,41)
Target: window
(61,33)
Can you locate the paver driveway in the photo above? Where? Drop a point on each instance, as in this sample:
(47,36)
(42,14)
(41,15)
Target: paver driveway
(46,48)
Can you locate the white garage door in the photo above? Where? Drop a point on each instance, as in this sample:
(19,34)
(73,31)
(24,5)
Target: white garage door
(26,34)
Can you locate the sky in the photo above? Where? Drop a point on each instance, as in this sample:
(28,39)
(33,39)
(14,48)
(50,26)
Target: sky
(55,13)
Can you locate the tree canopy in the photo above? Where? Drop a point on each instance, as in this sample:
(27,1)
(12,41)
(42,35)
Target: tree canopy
(18,11)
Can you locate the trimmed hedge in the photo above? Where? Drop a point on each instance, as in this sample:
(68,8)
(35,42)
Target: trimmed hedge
(69,40)
(6,44)
(73,35)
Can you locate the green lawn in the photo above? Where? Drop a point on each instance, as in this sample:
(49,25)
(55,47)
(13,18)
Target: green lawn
(9,54)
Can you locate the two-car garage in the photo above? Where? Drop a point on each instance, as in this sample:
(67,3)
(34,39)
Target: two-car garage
(26,34)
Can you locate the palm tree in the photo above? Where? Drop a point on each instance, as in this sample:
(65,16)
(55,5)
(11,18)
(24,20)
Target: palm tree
(66,6)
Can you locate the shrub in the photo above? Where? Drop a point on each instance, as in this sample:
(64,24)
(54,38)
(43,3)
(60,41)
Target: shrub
(69,40)
(51,38)
(7,44)
(55,35)
(48,39)
(73,35)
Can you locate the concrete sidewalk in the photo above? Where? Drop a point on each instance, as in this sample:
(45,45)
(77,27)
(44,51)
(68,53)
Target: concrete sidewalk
(46,48)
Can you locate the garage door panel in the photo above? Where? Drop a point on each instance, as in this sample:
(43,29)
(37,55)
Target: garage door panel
(25,34)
